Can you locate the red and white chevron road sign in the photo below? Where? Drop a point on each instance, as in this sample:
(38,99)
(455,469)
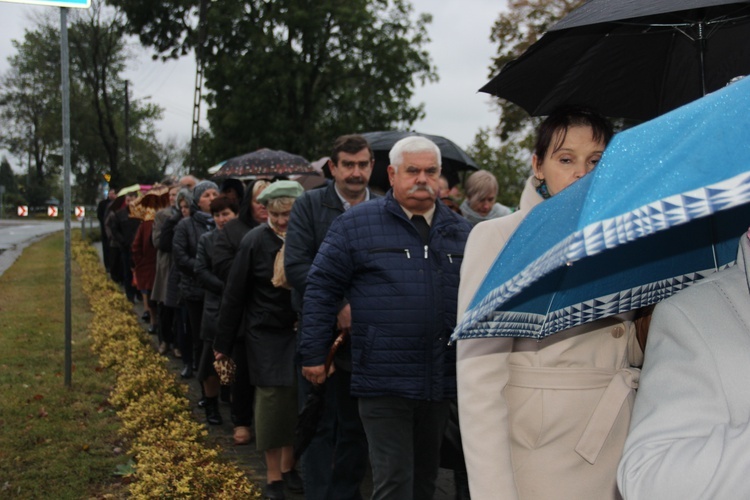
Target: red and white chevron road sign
(80,212)
(51,211)
(23,211)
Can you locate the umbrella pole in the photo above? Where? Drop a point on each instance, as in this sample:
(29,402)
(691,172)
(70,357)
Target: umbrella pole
(701,55)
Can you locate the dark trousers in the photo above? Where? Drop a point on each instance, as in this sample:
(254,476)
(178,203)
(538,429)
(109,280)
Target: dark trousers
(405,437)
(167,317)
(127,275)
(105,249)
(195,317)
(184,338)
(335,462)
(115,264)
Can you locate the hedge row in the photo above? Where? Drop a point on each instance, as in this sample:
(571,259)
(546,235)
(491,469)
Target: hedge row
(167,445)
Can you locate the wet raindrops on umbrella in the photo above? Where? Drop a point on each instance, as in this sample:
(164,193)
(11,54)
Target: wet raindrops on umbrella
(663,209)
(265,163)
(633,59)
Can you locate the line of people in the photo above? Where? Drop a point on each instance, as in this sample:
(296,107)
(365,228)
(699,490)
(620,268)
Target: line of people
(271,282)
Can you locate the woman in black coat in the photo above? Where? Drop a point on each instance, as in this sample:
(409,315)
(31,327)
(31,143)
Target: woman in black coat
(251,214)
(184,249)
(256,294)
(223,210)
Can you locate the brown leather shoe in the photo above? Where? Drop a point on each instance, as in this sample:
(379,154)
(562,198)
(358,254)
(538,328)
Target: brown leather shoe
(242,435)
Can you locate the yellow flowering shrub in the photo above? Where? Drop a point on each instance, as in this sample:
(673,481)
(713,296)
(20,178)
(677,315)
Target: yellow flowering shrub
(171,459)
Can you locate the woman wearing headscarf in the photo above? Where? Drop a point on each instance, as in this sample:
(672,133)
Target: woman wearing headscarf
(257,296)
(223,209)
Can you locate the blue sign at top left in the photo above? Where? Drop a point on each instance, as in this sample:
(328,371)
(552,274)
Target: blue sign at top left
(75,4)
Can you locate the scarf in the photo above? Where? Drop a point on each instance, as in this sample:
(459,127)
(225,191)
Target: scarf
(279,276)
(474,218)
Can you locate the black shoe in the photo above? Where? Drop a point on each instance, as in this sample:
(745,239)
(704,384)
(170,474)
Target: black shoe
(152,329)
(146,316)
(202,402)
(187,372)
(213,416)
(293,481)
(274,491)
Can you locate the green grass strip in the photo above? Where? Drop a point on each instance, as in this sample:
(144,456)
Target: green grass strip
(55,441)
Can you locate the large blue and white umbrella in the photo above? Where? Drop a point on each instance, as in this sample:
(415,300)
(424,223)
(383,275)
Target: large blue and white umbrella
(663,209)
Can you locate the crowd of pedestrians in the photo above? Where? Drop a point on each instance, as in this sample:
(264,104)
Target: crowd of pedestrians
(270,277)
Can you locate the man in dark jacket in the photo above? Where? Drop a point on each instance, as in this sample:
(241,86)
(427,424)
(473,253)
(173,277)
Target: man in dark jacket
(336,460)
(101,214)
(397,260)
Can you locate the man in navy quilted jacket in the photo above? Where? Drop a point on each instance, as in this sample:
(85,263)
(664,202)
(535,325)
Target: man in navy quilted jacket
(396,260)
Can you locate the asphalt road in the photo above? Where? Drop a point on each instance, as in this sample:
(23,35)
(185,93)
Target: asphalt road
(16,234)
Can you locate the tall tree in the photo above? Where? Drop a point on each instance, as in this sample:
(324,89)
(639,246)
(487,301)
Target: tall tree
(515,30)
(98,49)
(293,74)
(7,177)
(30,103)
(509,163)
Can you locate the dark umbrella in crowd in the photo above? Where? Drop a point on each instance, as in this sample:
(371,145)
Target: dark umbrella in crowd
(312,410)
(663,209)
(633,59)
(454,158)
(265,163)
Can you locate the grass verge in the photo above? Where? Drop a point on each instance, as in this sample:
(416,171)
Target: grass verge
(55,441)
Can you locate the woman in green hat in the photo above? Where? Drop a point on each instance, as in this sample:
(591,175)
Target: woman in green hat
(256,291)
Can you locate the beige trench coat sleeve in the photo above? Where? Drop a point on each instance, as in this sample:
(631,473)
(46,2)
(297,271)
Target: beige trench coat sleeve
(482,370)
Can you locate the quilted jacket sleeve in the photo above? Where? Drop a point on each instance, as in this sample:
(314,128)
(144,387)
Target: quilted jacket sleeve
(329,279)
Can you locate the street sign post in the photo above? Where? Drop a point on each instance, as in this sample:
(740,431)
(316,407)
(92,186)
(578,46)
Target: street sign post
(74,4)
(65,87)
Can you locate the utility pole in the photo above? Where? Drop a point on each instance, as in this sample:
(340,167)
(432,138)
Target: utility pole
(127,126)
(195,132)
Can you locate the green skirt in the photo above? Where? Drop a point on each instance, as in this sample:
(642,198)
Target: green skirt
(275,417)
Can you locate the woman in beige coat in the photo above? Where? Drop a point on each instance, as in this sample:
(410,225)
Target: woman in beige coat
(545,419)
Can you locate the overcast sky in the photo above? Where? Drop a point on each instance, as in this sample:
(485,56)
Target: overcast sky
(460,49)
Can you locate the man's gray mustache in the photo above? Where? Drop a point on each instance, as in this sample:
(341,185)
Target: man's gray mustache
(421,187)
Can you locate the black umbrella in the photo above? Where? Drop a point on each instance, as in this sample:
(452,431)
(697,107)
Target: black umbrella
(454,158)
(312,410)
(265,163)
(632,59)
